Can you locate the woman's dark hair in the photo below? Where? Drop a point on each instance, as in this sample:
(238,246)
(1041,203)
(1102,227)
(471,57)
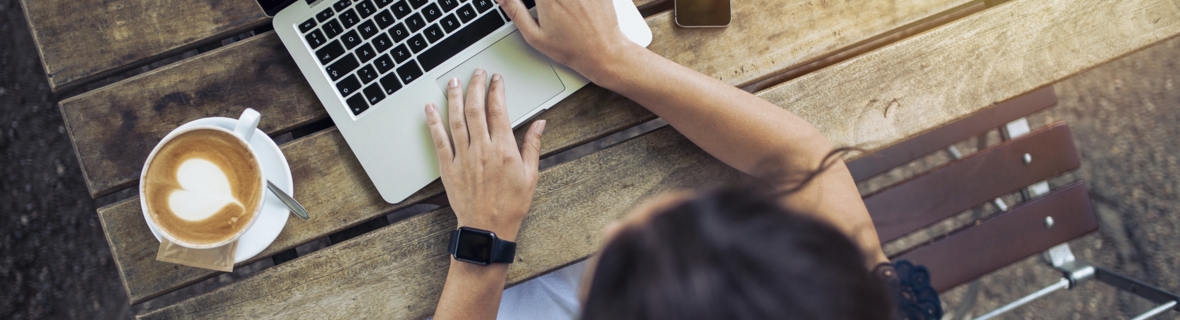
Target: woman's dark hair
(733,254)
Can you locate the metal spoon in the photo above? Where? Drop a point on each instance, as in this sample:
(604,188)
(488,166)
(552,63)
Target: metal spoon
(287,200)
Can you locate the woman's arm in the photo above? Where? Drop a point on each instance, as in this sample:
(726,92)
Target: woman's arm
(747,133)
(490,185)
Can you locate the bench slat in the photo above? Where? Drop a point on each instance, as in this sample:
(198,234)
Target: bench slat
(587,115)
(381,278)
(186,85)
(974,180)
(880,161)
(1007,237)
(84,40)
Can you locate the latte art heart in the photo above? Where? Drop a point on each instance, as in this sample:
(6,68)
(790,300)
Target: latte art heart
(204,190)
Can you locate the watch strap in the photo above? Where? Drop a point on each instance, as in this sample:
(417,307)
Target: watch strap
(503,251)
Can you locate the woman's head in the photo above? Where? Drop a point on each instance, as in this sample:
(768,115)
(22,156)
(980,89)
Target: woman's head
(730,254)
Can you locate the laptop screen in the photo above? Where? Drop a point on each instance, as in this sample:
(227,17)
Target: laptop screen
(273,7)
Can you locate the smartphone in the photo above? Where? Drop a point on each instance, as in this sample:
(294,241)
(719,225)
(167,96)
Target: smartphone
(701,13)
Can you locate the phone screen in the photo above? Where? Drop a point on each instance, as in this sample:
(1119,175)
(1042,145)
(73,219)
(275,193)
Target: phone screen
(702,13)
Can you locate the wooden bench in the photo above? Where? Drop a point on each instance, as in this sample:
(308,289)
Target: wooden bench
(870,100)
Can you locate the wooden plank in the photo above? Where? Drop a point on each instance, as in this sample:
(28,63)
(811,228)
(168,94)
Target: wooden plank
(1007,237)
(84,40)
(588,114)
(938,139)
(113,129)
(974,180)
(724,54)
(1072,35)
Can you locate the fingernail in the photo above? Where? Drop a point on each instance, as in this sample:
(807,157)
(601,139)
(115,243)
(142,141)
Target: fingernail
(479,72)
(541,127)
(429,108)
(454,83)
(496,77)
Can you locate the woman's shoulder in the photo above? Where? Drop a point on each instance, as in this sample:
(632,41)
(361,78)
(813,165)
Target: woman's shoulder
(909,286)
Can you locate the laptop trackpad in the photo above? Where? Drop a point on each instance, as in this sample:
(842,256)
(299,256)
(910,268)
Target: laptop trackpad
(529,79)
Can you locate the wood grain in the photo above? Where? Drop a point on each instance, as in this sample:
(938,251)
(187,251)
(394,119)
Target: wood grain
(725,54)
(590,113)
(369,275)
(84,40)
(113,129)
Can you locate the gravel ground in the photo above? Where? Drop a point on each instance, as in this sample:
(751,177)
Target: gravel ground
(1125,117)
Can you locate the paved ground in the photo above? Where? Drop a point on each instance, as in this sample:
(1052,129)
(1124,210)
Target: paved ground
(55,262)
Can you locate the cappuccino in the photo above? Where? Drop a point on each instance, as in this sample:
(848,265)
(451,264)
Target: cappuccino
(203,187)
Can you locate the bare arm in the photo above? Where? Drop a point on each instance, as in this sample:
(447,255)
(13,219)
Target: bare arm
(747,133)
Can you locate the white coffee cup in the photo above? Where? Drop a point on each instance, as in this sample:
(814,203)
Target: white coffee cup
(243,131)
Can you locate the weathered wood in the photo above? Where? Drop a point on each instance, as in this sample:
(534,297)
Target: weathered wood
(85,40)
(1065,36)
(724,54)
(588,114)
(113,129)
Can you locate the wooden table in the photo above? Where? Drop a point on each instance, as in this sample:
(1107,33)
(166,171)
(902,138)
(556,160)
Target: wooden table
(868,73)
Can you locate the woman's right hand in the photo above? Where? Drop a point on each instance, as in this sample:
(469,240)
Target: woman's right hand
(580,34)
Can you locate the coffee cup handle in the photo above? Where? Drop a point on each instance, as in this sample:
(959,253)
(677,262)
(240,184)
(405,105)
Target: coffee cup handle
(246,124)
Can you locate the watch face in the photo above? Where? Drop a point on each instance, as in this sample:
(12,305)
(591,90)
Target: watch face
(474,246)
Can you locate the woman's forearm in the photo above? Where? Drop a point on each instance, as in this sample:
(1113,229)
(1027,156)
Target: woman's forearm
(744,131)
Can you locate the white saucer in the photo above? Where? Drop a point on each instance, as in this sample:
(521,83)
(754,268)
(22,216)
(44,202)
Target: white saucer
(273,216)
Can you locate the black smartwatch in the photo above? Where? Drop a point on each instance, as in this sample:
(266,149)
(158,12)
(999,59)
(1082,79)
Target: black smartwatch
(480,247)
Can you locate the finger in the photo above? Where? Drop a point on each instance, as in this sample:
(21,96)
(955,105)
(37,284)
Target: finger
(530,152)
(455,113)
(522,18)
(477,122)
(498,124)
(438,133)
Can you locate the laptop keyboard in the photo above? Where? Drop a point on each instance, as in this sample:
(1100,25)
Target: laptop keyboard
(372,48)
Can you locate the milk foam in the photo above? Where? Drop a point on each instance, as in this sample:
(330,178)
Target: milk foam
(204,190)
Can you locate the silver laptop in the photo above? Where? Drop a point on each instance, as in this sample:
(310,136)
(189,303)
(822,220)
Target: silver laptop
(374,64)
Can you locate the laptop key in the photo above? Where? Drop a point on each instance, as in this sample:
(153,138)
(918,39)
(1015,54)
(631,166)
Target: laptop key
(365,53)
(401,9)
(400,53)
(368,29)
(342,67)
(398,33)
(374,94)
(330,52)
(458,41)
(367,74)
(349,18)
(433,33)
(483,5)
(351,39)
(382,43)
(409,72)
(383,3)
(357,105)
(431,12)
(466,13)
(530,3)
(332,29)
(348,86)
(307,25)
(366,8)
(315,39)
(448,5)
(418,3)
(383,64)
(450,23)
(342,4)
(417,43)
(325,15)
(415,22)
(384,19)
(390,83)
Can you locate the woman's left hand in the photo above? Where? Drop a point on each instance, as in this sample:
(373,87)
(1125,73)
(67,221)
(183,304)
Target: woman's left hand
(489,182)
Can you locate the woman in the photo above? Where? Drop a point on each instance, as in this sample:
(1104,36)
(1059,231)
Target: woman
(824,242)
